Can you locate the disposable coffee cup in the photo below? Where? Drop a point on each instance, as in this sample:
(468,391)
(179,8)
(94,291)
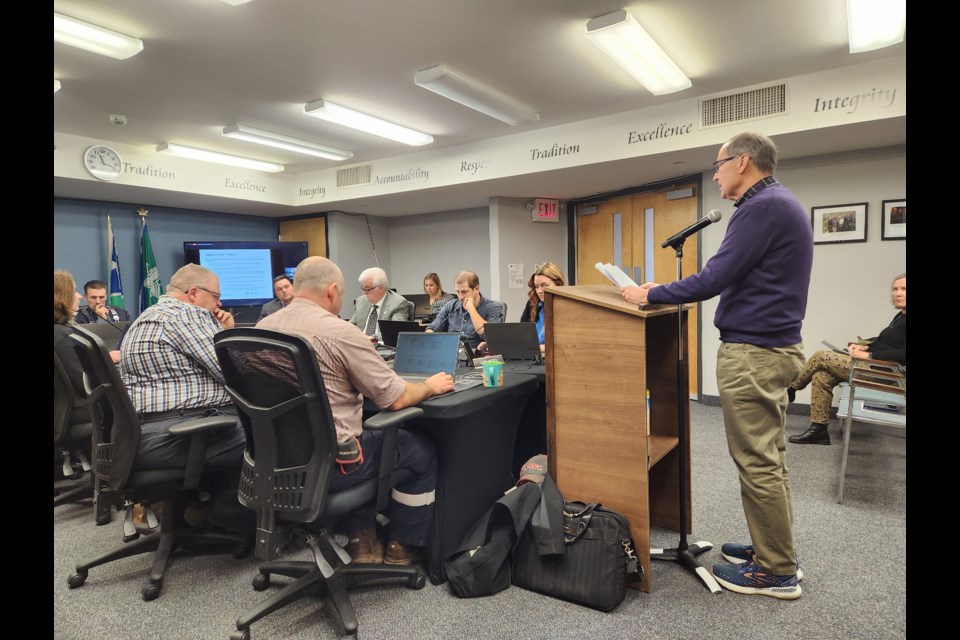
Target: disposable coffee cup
(493,374)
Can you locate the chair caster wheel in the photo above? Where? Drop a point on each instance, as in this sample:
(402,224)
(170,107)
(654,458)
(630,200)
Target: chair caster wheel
(240,635)
(417,582)
(77,580)
(261,581)
(150,592)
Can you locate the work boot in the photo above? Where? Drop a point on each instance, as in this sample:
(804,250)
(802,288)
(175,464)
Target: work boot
(398,553)
(365,547)
(816,434)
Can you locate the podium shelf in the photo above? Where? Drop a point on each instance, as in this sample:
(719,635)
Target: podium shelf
(658,447)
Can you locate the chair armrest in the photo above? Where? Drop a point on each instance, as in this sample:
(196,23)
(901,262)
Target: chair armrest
(880,386)
(198,431)
(386,419)
(202,424)
(388,422)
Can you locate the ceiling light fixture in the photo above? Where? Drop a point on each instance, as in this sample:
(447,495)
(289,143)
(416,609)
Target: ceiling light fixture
(236,2)
(280,141)
(84,35)
(219,158)
(56,85)
(452,84)
(622,38)
(326,110)
(874,24)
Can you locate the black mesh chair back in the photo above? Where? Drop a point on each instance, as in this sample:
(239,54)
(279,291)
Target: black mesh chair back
(411,310)
(275,382)
(116,432)
(72,437)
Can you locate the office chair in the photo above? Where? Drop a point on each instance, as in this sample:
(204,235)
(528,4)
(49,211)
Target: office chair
(503,306)
(875,393)
(275,381)
(71,435)
(411,310)
(116,439)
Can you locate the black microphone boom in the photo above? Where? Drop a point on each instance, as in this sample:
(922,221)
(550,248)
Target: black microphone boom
(678,238)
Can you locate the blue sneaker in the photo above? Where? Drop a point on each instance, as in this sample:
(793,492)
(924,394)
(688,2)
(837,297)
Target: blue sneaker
(751,578)
(740,553)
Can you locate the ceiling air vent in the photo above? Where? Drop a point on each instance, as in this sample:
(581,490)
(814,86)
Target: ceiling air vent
(353,176)
(752,104)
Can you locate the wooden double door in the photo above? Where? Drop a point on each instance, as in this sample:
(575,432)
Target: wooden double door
(627,231)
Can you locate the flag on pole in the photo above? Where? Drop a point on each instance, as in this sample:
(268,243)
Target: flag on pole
(115,297)
(149,276)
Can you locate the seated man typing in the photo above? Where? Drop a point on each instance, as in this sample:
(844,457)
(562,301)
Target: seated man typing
(469,312)
(351,370)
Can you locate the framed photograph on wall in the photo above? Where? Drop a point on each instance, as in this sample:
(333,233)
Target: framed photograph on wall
(839,223)
(894,220)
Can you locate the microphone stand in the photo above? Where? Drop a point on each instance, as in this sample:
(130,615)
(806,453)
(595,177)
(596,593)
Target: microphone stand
(684,553)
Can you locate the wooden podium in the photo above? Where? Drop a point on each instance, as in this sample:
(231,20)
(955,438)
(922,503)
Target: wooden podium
(605,444)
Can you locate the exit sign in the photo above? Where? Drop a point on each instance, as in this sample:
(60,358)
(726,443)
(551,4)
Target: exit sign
(546,210)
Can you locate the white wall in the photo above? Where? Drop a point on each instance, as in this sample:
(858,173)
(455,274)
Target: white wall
(515,239)
(850,283)
(350,247)
(445,243)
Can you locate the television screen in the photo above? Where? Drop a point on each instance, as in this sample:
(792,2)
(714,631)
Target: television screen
(246,269)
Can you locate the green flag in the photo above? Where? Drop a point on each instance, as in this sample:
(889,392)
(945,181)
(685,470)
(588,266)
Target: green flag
(149,276)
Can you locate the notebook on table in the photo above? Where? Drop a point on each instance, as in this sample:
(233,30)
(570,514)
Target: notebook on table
(109,332)
(421,355)
(390,328)
(513,340)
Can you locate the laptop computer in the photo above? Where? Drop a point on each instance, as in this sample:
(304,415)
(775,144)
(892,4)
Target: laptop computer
(109,332)
(835,348)
(422,303)
(421,355)
(513,340)
(390,328)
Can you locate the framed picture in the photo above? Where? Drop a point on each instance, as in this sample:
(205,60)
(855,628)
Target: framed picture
(839,223)
(894,220)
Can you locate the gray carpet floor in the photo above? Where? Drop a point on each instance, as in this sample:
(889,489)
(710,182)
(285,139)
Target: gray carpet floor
(853,556)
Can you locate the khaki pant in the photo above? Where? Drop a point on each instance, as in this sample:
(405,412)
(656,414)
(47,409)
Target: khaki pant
(825,370)
(753,393)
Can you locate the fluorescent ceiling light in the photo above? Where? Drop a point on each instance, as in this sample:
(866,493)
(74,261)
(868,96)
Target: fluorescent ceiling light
(219,158)
(630,46)
(56,85)
(874,24)
(326,110)
(78,33)
(451,84)
(280,141)
(236,2)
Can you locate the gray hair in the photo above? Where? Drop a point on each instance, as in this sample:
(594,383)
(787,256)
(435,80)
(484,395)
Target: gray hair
(316,272)
(190,275)
(376,275)
(759,147)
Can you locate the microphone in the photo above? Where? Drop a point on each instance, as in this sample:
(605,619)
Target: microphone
(678,238)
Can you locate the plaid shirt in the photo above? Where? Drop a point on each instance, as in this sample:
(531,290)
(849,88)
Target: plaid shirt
(167,359)
(453,317)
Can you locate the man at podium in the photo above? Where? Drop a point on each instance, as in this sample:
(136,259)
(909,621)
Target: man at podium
(761,273)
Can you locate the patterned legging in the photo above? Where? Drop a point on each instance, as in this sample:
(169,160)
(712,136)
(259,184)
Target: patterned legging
(825,369)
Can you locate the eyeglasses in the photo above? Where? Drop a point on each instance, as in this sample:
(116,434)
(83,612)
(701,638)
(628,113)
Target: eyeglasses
(216,295)
(369,289)
(717,163)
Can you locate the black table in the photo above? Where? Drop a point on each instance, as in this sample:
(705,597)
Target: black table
(532,432)
(474,431)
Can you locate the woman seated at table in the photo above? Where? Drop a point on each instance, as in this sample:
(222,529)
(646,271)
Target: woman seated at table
(826,369)
(66,303)
(545,275)
(438,297)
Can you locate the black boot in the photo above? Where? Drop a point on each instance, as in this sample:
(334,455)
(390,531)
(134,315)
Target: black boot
(791,394)
(816,434)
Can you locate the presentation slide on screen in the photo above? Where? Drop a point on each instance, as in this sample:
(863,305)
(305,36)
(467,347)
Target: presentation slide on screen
(244,273)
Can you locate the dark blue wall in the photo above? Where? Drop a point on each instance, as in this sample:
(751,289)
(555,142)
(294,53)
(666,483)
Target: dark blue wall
(80,238)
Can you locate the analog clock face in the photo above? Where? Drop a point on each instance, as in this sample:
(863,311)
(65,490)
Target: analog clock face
(103,162)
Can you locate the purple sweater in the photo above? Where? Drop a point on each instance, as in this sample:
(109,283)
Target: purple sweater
(761,271)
